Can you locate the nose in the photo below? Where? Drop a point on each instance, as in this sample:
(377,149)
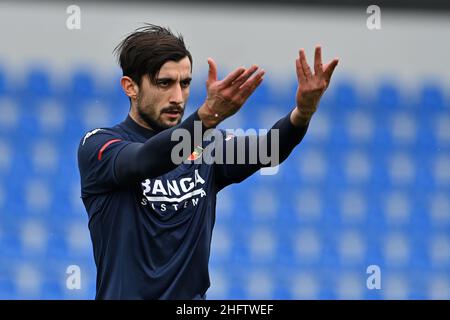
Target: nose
(176,96)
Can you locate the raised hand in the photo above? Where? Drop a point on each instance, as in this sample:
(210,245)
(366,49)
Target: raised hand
(225,97)
(311,86)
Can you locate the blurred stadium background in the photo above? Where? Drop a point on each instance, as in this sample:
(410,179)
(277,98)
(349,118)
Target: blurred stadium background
(369,185)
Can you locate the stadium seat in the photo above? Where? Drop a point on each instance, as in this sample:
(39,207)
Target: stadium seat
(3,79)
(345,95)
(388,96)
(82,84)
(432,98)
(38,84)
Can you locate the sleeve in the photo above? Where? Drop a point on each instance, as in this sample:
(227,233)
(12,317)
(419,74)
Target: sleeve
(242,156)
(97,154)
(107,162)
(139,161)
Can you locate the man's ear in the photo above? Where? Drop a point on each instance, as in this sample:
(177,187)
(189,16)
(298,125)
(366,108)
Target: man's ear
(130,87)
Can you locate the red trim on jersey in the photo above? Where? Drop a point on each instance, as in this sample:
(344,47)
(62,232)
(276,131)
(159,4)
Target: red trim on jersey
(100,153)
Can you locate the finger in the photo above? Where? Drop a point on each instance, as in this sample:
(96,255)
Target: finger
(304,64)
(251,89)
(318,69)
(245,76)
(233,76)
(329,69)
(212,73)
(249,86)
(300,74)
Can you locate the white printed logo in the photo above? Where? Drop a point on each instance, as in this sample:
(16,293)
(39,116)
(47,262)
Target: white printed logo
(175,193)
(90,133)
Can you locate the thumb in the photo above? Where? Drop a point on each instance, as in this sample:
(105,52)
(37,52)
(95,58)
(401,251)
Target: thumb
(212,73)
(329,68)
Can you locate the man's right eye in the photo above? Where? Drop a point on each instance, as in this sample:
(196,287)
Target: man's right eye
(163,83)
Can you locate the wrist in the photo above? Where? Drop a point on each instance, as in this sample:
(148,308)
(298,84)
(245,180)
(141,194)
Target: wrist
(299,119)
(208,116)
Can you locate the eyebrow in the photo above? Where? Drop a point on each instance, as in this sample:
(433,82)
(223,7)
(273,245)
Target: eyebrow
(172,79)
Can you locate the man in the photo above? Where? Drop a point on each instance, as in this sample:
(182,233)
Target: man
(150,218)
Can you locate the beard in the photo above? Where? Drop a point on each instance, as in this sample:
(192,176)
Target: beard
(152,120)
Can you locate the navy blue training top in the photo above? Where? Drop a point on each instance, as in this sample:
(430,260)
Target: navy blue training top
(151,220)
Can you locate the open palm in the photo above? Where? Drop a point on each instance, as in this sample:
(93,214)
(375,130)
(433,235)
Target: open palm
(312,86)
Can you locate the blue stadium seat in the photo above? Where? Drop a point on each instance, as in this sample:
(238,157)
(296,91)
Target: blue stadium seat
(3,82)
(388,96)
(10,118)
(197,93)
(432,98)
(260,98)
(346,97)
(52,290)
(48,119)
(38,84)
(7,289)
(82,85)
(57,247)
(279,94)
(11,246)
(12,184)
